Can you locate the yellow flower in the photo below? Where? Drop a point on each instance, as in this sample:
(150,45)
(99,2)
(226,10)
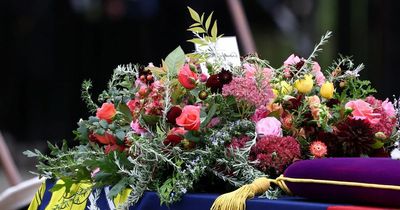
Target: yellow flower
(276,92)
(286,88)
(304,85)
(327,90)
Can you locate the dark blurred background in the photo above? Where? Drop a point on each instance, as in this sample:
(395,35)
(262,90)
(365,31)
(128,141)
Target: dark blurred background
(50,46)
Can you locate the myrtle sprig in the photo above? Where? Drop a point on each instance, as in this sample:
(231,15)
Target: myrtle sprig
(87,97)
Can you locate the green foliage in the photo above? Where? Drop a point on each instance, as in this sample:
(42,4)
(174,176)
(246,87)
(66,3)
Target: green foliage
(202,29)
(174,61)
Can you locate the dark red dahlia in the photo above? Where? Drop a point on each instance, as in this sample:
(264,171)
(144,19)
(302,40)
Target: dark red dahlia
(299,64)
(274,153)
(225,77)
(173,113)
(354,137)
(214,83)
(293,103)
(332,102)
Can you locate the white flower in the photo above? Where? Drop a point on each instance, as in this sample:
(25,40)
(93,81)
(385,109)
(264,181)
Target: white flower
(395,154)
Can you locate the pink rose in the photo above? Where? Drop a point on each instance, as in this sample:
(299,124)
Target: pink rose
(290,61)
(106,112)
(319,76)
(362,111)
(137,128)
(187,77)
(388,108)
(269,126)
(190,118)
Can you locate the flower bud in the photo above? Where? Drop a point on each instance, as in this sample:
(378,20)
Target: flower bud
(327,90)
(304,85)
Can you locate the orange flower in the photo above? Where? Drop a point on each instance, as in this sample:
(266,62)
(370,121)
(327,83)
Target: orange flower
(190,118)
(318,149)
(106,112)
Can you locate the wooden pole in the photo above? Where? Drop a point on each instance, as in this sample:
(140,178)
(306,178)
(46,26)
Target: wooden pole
(242,26)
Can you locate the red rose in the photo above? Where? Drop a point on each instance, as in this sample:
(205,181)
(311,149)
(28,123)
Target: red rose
(173,113)
(175,136)
(187,77)
(106,112)
(190,118)
(105,139)
(114,147)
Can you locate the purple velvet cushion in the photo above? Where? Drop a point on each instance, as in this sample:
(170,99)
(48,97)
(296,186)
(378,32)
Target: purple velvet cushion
(365,170)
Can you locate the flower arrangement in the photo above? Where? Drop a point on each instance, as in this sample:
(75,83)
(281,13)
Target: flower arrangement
(164,128)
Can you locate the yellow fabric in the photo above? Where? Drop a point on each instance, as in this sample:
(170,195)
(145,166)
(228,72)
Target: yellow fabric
(37,200)
(122,197)
(66,201)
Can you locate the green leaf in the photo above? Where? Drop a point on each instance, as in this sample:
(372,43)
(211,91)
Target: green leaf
(103,124)
(195,16)
(150,119)
(124,109)
(119,187)
(210,115)
(193,136)
(175,61)
(120,135)
(208,21)
(214,30)
(194,24)
(196,41)
(202,18)
(197,30)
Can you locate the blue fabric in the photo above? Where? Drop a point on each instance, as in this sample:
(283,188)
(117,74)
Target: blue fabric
(150,201)
(203,201)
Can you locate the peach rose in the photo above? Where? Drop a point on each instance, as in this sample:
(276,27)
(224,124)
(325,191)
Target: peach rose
(106,112)
(187,77)
(189,118)
(362,110)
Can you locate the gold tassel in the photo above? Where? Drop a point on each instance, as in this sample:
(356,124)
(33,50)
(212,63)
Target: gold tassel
(236,200)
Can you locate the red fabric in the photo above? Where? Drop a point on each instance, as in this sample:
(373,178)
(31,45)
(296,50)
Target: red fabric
(355,208)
